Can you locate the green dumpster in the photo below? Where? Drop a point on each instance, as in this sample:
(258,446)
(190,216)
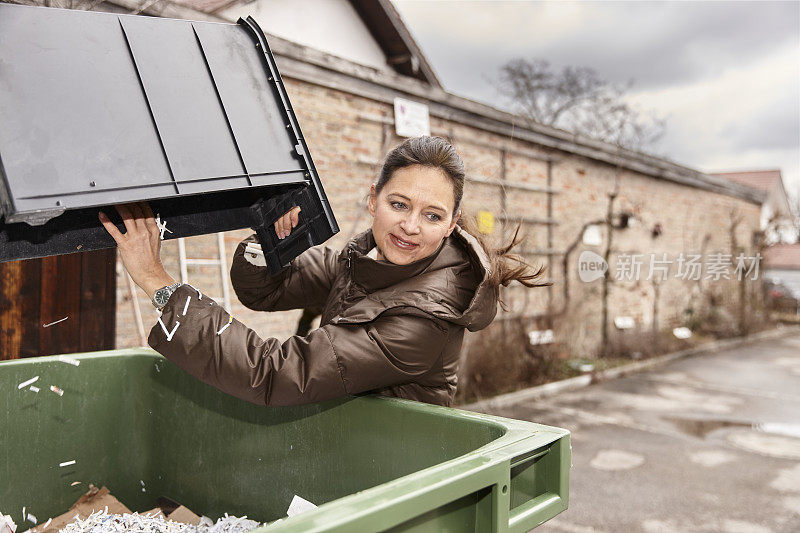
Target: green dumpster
(134,422)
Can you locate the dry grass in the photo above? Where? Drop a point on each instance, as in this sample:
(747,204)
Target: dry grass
(501,359)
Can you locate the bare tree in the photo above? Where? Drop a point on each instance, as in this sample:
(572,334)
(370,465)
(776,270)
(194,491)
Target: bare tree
(576,99)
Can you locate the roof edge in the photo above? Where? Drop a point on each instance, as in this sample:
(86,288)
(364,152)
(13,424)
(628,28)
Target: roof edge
(387,27)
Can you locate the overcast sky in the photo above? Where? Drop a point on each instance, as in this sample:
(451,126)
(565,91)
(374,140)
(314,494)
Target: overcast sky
(725,75)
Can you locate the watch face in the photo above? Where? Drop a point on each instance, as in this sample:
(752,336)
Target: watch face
(162,296)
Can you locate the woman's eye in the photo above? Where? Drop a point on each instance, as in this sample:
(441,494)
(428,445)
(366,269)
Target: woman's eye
(433,217)
(398,205)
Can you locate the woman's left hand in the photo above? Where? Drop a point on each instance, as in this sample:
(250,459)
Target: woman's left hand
(139,246)
(284,225)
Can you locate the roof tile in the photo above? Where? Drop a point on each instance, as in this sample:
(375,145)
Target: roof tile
(763,180)
(782,256)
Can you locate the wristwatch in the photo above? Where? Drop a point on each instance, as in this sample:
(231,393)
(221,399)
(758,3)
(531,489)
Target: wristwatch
(161,297)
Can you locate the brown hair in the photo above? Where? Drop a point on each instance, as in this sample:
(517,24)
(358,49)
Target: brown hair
(437,152)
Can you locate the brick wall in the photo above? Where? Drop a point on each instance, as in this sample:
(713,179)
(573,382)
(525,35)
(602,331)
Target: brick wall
(346,141)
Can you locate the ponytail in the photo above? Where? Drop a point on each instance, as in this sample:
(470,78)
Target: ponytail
(504,266)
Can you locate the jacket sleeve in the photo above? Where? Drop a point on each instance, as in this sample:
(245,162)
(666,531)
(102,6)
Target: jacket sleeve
(305,283)
(201,338)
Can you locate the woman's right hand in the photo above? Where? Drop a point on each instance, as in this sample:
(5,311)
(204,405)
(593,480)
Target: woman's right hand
(284,225)
(139,246)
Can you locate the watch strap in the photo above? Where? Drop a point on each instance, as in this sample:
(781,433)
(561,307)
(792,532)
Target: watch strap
(171,288)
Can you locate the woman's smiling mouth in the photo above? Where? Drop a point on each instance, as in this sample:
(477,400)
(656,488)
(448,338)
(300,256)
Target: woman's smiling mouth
(400,243)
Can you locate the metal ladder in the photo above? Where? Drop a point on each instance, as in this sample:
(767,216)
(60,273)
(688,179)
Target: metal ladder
(220,262)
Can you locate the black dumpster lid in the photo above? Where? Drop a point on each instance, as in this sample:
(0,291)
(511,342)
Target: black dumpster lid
(98,109)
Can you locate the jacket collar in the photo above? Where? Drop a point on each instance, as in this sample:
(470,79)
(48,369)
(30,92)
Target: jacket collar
(483,307)
(431,291)
(375,275)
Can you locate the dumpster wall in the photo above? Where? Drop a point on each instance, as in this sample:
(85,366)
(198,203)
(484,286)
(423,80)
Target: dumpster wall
(130,419)
(126,418)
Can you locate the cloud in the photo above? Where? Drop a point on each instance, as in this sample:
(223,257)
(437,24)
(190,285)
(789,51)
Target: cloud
(742,111)
(725,74)
(660,44)
(656,44)
(776,126)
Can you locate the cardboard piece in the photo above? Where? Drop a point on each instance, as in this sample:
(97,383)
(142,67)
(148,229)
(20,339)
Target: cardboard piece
(94,500)
(154,513)
(184,515)
(97,500)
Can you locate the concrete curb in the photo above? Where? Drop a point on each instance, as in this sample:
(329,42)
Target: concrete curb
(578,382)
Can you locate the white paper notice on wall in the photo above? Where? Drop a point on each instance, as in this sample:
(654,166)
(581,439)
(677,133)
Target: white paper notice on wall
(624,322)
(541,337)
(411,119)
(592,235)
(682,333)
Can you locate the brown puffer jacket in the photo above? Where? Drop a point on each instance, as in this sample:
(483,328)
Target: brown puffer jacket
(387,329)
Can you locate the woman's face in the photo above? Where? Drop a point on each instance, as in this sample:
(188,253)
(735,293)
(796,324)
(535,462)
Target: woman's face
(412,214)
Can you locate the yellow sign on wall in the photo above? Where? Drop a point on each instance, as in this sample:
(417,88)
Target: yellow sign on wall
(486,222)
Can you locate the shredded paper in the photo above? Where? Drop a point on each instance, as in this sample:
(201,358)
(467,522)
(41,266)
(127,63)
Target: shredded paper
(102,522)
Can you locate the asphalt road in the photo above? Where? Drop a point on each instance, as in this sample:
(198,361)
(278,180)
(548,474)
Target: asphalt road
(706,443)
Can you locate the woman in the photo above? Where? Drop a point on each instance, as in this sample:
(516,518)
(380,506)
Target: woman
(395,300)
